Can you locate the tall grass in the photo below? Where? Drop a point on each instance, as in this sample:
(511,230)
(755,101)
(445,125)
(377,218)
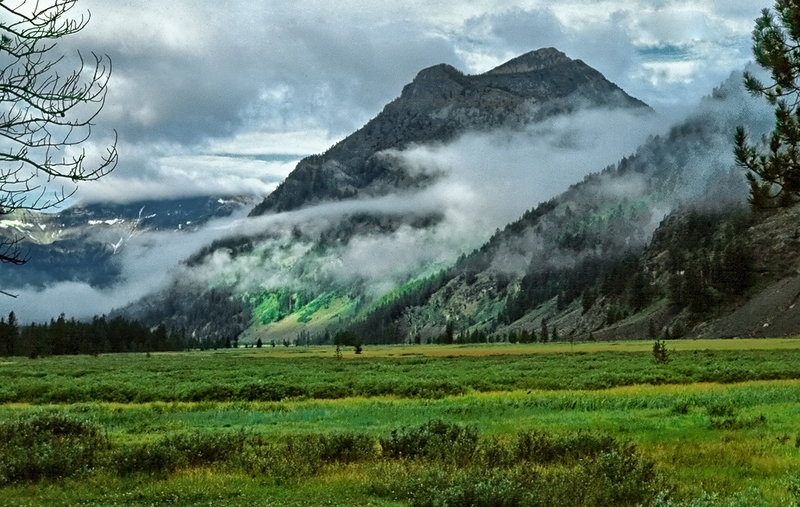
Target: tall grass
(214,376)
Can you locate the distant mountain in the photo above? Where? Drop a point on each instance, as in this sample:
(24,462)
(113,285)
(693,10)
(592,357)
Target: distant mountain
(80,242)
(437,106)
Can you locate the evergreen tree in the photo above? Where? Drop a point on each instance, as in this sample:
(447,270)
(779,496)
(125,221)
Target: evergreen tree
(9,334)
(774,176)
(641,293)
(449,333)
(660,352)
(5,338)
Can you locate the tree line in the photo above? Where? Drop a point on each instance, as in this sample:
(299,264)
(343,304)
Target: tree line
(64,336)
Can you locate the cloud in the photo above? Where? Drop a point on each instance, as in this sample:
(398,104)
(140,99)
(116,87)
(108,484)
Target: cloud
(252,163)
(148,260)
(484,180)
(190,77)
(530,166)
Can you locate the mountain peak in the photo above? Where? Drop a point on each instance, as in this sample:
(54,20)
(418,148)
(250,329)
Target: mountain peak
(532,61)
(437,72)
(440,104)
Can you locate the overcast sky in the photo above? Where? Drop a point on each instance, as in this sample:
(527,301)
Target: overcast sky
(213,96)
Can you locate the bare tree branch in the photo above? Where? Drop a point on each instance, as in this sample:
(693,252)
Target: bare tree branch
(48,105)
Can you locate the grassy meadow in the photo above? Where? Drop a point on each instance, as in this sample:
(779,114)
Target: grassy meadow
(539,424)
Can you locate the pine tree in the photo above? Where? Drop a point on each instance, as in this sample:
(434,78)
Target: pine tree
(774,176)
(660,352)
(5,338)
(13,333)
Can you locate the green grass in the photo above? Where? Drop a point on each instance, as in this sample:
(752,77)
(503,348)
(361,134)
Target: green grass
(720,423)
(269,374)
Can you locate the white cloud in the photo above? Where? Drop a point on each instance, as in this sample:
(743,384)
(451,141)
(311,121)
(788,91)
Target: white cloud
(298,143)
(669,72)
(271,78)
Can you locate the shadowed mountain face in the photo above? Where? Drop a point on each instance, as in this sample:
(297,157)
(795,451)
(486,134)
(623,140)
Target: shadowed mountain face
(437,106)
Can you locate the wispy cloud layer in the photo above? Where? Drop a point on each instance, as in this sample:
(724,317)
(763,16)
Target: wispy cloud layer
(275,78)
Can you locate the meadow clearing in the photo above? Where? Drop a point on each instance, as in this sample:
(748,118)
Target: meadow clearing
(500,424)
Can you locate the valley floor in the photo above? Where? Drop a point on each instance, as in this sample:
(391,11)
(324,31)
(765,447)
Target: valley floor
(582,424)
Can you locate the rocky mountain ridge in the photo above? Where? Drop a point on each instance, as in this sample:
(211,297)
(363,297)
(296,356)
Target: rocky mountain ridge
(438,105)
(333,229)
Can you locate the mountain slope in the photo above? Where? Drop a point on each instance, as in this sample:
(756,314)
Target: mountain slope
(438,105)
(585,248)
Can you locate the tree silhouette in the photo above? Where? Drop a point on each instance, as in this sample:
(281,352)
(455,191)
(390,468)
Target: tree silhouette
(774,174)
(48,103)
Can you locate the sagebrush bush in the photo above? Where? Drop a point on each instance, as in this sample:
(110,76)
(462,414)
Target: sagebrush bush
(440,463)
(532,469)
(302,456)
(435,440)
(48,445)
(268,392)
(178,451)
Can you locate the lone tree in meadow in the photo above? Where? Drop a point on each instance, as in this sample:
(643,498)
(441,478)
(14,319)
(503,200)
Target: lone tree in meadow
(48,103)
(774,172)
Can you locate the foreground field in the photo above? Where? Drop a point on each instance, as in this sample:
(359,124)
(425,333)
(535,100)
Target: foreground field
(717,425)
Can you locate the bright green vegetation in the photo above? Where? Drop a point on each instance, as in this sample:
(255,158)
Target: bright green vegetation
(292,316)
(273,306)
(445,426)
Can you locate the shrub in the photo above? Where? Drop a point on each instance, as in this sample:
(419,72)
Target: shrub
(435,440)
(539,447)
(48,445)
(720,410)
(618,477)
(302,456)
(269,392)
(533,469)
(680,408)
(211,392)
(178,451)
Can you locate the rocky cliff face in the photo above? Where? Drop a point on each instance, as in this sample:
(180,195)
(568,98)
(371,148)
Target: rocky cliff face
(438,105)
